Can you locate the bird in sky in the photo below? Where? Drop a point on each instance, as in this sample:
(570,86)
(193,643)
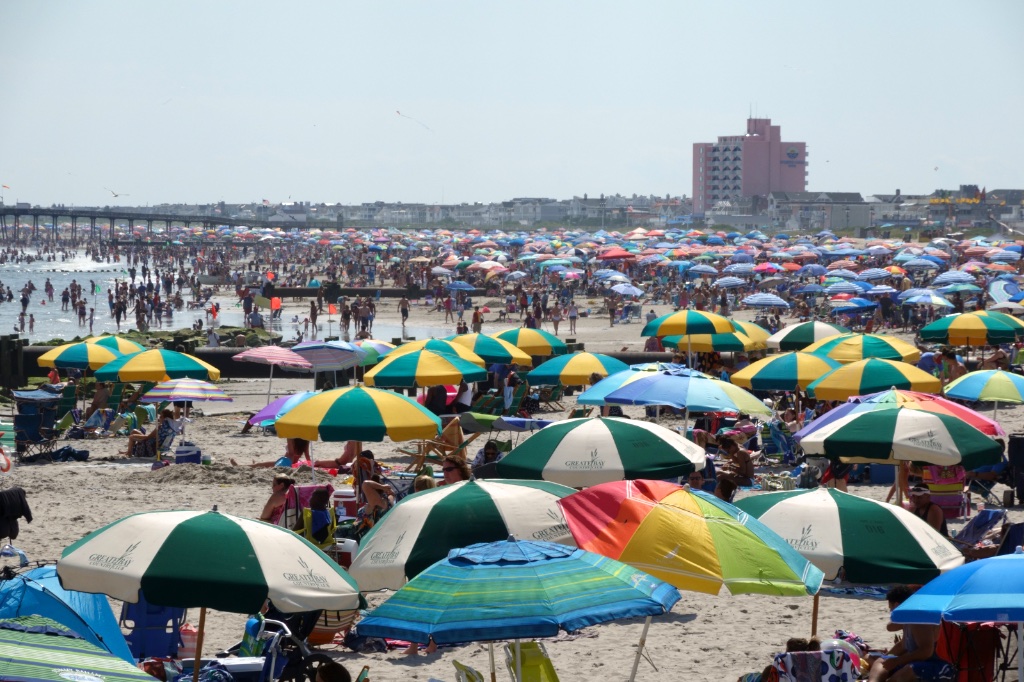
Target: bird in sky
(115,193)
(414,120)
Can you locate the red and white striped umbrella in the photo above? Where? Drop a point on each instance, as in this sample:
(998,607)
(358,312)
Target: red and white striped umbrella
(275,356)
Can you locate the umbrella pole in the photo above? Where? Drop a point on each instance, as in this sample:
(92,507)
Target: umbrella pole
(199,645)
(814,616)
(1020,655)
(519,662)
(490,650)
(640,649)
(270,383)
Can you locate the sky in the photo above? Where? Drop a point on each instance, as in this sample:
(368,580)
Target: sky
(467,101)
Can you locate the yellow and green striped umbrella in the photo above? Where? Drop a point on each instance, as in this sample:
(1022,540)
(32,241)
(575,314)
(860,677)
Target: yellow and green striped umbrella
(847,348)
(438,346)
(123,346)
(423,368)
(80,355)
(493,349)
(358,413)
(754,332)
(575,369)
(156,365)
(688,322)
(713,343)
(533,341)
(783,372)
(979,328)
(871,376)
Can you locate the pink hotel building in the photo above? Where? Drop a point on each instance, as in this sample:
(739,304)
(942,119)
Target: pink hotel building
(746,166)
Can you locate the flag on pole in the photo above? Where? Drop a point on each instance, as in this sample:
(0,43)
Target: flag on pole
(332,309)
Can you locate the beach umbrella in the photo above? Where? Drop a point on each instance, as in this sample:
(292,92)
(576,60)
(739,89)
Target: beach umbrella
(1008,307)
(328,356)
(190,559)
(693,393)
(584,452)
(717,343)
(993,385)
(595,395)
(516,589)
(627,290)
(374,348)
(422,528)
(754,332)
(969,329)
(533,341)
(847,348)
(38,649)
(729,283)
(981,591)
(930,299)
(122,346)
(275,356)
(854,539)
(901,434)
(358,413)
(423,368)
(872,375)
(184,389)
(783,372)
(799,336)
(437,346)
(765,301)
(459,285)
(574,369)
(157,365)
(79,355)
(687,322)
(690,539)
(493,349)
(279,407)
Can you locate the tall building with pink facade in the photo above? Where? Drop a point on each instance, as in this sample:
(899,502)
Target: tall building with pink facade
(739,167)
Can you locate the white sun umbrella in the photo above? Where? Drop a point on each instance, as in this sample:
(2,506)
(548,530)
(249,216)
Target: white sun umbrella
(275,356)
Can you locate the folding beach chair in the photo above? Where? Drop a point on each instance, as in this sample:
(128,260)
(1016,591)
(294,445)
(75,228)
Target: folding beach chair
(464,673)
(31,440)
(297,499)
(517,400)
(153,631)
(534,662)
(552,395)
(984,524)
(948,487)
(580,411)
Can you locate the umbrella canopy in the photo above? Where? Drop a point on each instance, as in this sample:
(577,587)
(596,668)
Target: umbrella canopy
(713,343)
(690,539)
(969,329)
(327,356)
(191,558)
(831,529)
(438,346)
(516,589)
(278,408)
(184,389)
(157,365)
(423,368)
(493,349)
(765,301)
(80,355)
(871,376)
(122,346)
(584,452)
(695,393)
(687,322)
(357,413)
(595,395)
(574,369)
(799,336)
(374,348)
(36,649)
(755,333)
(534,341)
(783,372)
(989,384)
(847,348)
(902,434)
(422,528)
(275,356)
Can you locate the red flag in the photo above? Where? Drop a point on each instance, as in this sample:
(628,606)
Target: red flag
(332,309)
(5,186)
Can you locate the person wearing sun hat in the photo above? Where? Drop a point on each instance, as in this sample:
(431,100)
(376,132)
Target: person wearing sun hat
(923,507)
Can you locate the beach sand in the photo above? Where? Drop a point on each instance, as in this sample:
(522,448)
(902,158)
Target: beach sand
(703,638)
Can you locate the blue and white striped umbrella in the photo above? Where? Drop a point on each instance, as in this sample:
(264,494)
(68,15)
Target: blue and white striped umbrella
(1004,256)
(765,301)
(920,264)
(873,274)
(841,272)
(702,270)
(930,298)
(953,277)
(729,282)
(739,268)
(881,289)
(843,288)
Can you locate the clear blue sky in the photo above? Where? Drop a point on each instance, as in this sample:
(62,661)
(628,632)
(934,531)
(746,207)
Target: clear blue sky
(197,101)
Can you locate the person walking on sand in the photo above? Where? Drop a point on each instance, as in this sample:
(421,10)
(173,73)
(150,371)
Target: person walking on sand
(573,314)
(478,320)
(403,307)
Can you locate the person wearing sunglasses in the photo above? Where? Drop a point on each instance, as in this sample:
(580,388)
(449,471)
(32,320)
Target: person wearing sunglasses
(695,481)
(455,470)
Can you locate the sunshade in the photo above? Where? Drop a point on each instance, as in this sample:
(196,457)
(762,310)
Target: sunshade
(754,332)
(989,384)
(574,369)
(534,341)
(968,329)
(279,407)
(328,356)
(713,343)
(847,348)
(595,395)
(123,346)
(358,413)
(275,356)
(516,589)
(690,539)
(80,355)
(437,346)
(374,348)
(799,336)
(422,528)
(584,452)
(493,349)
(157,365)
(765,300)
(687,322)
(37,649)
(423,368)
(184,389)
(783,372)
(871,376)
(901,434)
(690,392)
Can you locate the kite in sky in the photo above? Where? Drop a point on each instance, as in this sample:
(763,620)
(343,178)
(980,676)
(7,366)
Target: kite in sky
(413,119)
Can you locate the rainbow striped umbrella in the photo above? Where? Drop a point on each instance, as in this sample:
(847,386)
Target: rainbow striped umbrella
(123,346)
(533,341)
(871,376)
(156,365)
(184,389)
(783,372)
(80,355)
(847,348)
(423,368)
(574,369)
(437,346)
(688,322)
(493,349)
(374,348)
(689,539)
(358,413)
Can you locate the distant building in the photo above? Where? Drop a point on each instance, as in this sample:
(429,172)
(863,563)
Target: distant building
(812,211)
(739,167)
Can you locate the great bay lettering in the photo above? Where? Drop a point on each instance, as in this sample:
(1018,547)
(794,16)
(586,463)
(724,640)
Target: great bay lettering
(594,463)
(552,533)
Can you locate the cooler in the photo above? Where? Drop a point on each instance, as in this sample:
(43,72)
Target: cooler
(884,474)
(345,500)
(345,551)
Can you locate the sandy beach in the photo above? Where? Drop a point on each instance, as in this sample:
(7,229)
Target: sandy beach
(703,638)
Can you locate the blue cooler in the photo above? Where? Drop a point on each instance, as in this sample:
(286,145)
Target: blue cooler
(883,474)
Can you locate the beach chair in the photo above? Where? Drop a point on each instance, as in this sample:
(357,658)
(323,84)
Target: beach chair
(580,411)
(534,663)
(971,648)
(810,666)
(552,395)
(517,400)
(451,442)
(68,400)
(948,487)
(983,525)
(331,624)
(152,631)
(297,499)
(31,441)
(464,673)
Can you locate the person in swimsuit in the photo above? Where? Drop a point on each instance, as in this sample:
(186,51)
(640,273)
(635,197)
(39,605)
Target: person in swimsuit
(739,467)
(274,507)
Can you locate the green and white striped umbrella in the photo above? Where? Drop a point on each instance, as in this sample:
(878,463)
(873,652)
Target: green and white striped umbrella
(424,527)
(206,559)
(585,452)
(862,540)
(799,336)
